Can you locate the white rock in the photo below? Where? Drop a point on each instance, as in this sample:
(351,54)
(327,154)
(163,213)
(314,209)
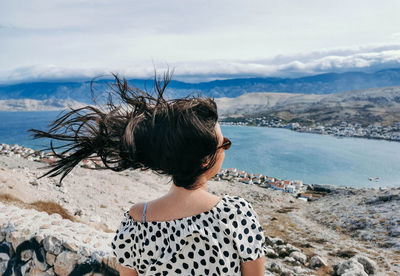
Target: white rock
(317,261)
(40,265)
(354,272)
(351,266)
(3,266)
(270,253)
(50,258)
(289,260)
(298,256)
(70,246)
(276,267)
(65,263)
(369,265)
(52,245)
(26,255)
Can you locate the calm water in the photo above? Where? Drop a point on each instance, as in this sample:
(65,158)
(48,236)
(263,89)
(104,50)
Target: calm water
(275,152)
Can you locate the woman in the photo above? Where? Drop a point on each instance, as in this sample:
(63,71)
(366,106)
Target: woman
(188,231)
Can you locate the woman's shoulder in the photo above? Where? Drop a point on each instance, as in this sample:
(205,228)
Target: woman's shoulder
(238,203)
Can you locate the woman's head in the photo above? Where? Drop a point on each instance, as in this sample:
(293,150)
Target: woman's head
(177,137)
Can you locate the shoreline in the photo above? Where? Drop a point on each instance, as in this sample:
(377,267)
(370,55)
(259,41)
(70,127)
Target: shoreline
(295,188)
(315,130)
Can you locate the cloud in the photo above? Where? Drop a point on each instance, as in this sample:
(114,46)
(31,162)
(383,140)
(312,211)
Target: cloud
(56,39)
(336,60)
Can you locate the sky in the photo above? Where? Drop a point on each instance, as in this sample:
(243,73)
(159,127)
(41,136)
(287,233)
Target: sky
(201,40)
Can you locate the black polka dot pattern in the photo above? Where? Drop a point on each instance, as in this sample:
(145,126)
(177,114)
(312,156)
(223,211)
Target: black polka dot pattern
(215,242)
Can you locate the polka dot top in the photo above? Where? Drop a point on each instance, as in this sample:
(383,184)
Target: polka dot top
(214,242)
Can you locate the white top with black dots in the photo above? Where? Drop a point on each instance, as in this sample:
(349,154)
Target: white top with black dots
(214,242)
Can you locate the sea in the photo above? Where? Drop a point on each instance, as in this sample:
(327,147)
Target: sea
(275,152)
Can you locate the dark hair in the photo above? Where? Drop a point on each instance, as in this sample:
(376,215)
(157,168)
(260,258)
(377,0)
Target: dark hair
(175,137)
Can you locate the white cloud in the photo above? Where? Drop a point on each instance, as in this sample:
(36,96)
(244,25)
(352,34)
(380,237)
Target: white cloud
(369,59)
(72,38)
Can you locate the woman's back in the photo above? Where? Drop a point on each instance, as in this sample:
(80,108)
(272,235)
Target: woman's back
(214,242)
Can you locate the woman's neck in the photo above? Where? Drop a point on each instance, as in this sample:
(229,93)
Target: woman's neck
(201,187)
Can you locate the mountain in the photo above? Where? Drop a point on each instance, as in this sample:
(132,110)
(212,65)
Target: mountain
(366,106)
(317,84)
(38,105)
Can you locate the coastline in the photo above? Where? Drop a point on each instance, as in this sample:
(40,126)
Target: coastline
(339,133)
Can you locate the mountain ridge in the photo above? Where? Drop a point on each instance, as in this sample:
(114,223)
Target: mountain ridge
(327,83)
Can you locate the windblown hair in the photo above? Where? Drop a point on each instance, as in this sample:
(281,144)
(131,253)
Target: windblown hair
(175,137)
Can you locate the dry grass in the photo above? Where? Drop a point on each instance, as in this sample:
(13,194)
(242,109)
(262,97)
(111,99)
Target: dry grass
(7,198)
(285,210)
(52,208)
(325,270)
(344,254)
(41,206)
(317,240)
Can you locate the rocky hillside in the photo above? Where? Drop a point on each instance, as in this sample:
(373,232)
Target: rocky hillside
(361,106)
(299,241)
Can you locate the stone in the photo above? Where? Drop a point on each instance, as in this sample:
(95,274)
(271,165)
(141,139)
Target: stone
(354,272)
(276,267)
(39,238)
(350,266)
(26,255)
(45,226)
(50,258)
(273,241)
(369,265)
(317,261)
(15,238)
(3,266)
(289,260)
(299,270)
(34,182)
(290,248)
(65,263)
(298,256)
(40,264)
(70,246)
(85,252)
(7,251)
(270,253)
(52,245)
(282,251)
(87,240)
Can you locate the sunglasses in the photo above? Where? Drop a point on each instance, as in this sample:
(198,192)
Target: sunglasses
(226,144)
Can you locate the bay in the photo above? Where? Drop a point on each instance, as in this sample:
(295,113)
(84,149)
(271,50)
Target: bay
(281,153)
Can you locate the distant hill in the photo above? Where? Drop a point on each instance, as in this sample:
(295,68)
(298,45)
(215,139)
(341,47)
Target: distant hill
(318,84)
(38,105)
(375,105)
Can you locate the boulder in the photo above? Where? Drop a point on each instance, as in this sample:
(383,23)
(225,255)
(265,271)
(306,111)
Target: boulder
(39,262)
(270,253)
(52,245)
(276,267)
(317,261)
(65,263)
(26,255)
(369,265)
(50,258)
(351,267)
(298,256)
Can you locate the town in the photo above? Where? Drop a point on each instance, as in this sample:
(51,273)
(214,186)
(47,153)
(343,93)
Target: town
(296,188)
(344,129)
